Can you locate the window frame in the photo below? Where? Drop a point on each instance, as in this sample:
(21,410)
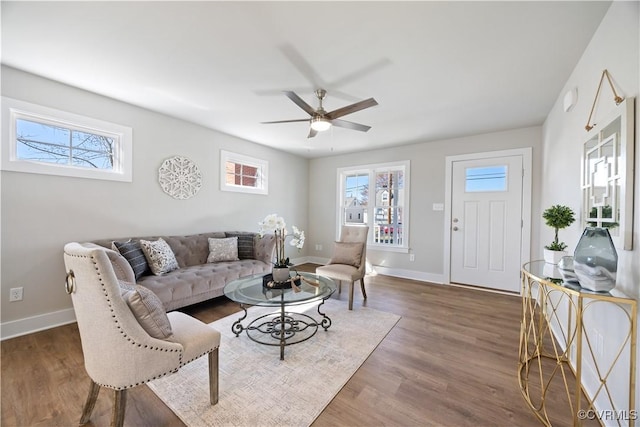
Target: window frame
(372,170)
(13,110)
(261,165)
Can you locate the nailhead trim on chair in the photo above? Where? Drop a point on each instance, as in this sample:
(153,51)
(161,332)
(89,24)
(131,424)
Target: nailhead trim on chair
(128,338)
(191,360)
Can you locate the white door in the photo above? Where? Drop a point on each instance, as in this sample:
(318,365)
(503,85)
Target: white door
(486,222)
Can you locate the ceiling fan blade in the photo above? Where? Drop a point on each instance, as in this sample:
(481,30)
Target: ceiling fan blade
(285,121)
(299,102)
(312,132)
(351,108)
(350,125)
(304,67)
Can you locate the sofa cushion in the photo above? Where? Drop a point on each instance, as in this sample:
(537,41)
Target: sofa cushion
(159,256)
(147,309)
(132,252)
(245,243)
(225,249)
(199,282)
(347,253)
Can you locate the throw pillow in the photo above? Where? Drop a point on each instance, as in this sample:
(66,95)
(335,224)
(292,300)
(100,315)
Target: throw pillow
(223,249)
(347,253)
(159,256)
(147,309)
(132,252)
(245,244)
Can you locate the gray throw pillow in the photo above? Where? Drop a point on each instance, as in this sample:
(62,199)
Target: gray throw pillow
(159,256)
(347,253)
(147,309)
(132,252)
(223,249)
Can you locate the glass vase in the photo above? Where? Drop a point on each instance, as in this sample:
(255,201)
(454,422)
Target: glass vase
(595,260)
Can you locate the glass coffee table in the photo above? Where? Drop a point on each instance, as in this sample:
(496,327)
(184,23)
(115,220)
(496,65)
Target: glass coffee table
(284,326)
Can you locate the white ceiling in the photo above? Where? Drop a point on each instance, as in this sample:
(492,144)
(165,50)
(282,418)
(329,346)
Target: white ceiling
(437,69)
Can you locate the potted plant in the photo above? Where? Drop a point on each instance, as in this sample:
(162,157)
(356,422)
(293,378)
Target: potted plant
(557,217)
(276,223)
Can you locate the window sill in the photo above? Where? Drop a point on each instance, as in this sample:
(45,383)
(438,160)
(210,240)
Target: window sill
(386,248)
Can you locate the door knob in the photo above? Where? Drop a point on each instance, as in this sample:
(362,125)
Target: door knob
(455,228)
(455,219)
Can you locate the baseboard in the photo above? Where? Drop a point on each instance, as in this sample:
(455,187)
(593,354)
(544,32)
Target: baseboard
(409,274)
(28,325)
(378,269)
(313,260)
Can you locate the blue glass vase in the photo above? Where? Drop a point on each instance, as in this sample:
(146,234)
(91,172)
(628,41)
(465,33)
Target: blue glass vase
(595,260)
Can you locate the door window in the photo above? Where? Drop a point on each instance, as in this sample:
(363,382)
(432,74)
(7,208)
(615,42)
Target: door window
(486,179)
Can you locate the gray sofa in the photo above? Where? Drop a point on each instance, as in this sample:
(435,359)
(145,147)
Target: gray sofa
(196,280)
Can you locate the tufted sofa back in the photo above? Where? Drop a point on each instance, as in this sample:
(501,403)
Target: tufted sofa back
(193,249)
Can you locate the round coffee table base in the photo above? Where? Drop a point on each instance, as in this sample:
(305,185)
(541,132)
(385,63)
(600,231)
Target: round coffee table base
(282,329)
(292,328)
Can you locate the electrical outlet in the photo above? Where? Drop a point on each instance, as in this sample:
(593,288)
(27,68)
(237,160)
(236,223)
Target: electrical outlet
(318,247)
(412,257)
(15,294)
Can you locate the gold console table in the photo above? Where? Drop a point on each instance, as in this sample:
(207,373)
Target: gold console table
(556,347)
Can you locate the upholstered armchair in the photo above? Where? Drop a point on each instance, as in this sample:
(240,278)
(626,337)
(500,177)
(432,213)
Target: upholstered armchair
(127,338)
(349,259)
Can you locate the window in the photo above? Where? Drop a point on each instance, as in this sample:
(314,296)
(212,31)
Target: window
(48,141)
(485,179)
(384,209)
(243,173)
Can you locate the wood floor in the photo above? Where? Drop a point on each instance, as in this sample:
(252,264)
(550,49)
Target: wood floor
(450,361)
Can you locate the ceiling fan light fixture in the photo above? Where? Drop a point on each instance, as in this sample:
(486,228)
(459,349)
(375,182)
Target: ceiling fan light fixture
(320,124)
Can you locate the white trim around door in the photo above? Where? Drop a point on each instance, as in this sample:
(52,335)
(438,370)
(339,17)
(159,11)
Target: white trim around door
(526,154)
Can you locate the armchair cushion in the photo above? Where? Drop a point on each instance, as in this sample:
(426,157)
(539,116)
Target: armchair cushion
(159,256)
(225,249)
(196,337)
(341,272)
(147,309)
(347,253)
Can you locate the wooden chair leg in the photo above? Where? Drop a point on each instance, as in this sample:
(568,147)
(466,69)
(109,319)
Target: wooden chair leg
(119,407)
(364,293)
(213,376)
(90,403)
(351,296)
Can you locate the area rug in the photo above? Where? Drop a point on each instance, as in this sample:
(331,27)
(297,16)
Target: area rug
(258,389)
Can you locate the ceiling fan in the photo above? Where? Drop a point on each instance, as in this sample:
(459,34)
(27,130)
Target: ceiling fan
(322,120)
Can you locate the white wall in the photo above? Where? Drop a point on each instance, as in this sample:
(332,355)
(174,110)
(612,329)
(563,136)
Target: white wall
(40,213)
(615,46)
(426,238)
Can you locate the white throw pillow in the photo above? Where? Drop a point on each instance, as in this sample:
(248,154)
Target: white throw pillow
(225,249)
(159,256)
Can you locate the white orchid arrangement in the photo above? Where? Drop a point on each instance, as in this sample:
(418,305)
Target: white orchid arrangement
(276,223)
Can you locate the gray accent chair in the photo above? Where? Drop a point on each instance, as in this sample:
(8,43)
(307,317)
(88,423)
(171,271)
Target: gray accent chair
(118,353)
(349,273)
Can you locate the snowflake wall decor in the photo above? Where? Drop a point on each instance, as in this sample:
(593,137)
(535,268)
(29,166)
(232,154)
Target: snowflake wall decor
(179,177)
